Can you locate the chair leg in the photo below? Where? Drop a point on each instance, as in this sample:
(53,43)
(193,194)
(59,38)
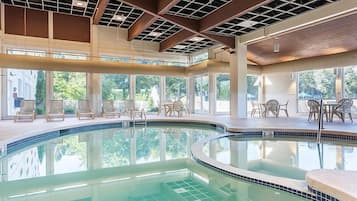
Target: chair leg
(286,112)
(350,115)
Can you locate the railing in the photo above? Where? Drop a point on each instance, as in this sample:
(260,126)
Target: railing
(321,122)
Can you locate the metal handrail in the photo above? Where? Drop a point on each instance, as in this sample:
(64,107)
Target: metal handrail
(321,122)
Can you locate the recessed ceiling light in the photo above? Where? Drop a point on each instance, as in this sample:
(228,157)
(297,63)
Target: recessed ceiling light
(247,23)
(155,34)
(179,47)
(119,18)
(197,39)
(79,3)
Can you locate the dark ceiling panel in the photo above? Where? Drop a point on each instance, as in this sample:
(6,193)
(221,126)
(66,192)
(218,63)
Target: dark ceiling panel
(73,28)
(14,20)
(36,23)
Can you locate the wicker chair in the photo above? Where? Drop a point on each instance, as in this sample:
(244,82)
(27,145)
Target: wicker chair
(56,110)
(109,110)
(284,107)
(314,109)
(179,108)
(271,106)
(27,111)
(84,110)
(343,107)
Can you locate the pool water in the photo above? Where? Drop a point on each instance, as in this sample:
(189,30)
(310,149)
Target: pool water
(290,158)
(123,164)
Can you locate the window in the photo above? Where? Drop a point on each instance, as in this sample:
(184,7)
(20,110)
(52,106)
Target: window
(176,89)
(252,90)
(147,93)
(200,57)
(117,88)
(124,59)
(71,87)
(26,85)
(315,84)
(28,52)
(70,55)
(350,84)
(201,94)
(222,93)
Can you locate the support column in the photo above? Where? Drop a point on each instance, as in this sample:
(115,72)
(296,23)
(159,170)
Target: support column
(211,54)
(212,93)
(49,89)
(95,151)
(339,83)
(239,156)
(162,90)
(238,84)
(50,158)
(132,86)
(191,94)
(94,89)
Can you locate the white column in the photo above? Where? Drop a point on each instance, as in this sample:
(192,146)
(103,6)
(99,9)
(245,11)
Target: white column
(339,83)
(212,93)
(132,87)
(211,54)
(49,88)
(239,157)
(191,94)
(238,84)
(95,151)
(162,89)
(50,158)
(94,90)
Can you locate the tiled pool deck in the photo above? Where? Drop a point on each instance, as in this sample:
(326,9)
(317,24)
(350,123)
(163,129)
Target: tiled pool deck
(10,131)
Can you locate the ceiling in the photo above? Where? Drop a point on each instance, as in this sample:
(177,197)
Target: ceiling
(189,26)
(339,35)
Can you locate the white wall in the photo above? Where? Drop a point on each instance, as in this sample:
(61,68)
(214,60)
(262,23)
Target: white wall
(281,87)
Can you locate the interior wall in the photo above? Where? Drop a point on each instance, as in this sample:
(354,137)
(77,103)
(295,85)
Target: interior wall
(281,87)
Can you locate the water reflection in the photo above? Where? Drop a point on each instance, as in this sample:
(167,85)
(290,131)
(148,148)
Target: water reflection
(107,148)
(282,158)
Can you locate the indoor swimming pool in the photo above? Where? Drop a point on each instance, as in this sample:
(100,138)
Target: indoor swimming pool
(150,163)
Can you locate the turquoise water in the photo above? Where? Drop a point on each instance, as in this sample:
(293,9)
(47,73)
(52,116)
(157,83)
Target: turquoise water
(123,164)
(282,157)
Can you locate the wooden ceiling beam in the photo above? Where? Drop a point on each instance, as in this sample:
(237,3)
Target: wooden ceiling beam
(102,5)
(175,39)
(228,41)
(148,6)
(163,6)
(228,12)
(140,25)
(186,23)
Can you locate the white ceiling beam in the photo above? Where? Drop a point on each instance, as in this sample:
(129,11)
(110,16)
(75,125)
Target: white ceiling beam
(317,16)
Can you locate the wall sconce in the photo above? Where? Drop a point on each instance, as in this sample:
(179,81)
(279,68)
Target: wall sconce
(293,76)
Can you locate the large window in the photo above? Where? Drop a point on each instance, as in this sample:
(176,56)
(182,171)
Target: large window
(117,88)
(147,93)
(350,84)
(176,89)
(222,93)
(70,87)
(70,55)
(252,90)
(201,94)
(200,57)
(315,84)
(26,85)
(124,59)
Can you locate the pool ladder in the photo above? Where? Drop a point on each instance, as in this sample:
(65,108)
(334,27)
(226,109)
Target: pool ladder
(321,122)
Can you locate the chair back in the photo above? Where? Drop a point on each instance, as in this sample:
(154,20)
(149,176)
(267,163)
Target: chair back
(314,105)
(27,106)
(272,105)
(83,106)
(108,106)
(345,105)
(56,106)
(178,106)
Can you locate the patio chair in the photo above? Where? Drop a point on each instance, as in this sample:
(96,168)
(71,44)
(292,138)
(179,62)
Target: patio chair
(314,109)
(109,110)
(284,107)
(133,111)
(56,110)
(343,107)
(84,110)
(179,108)
(271,106)
(27,111)
(255,109)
